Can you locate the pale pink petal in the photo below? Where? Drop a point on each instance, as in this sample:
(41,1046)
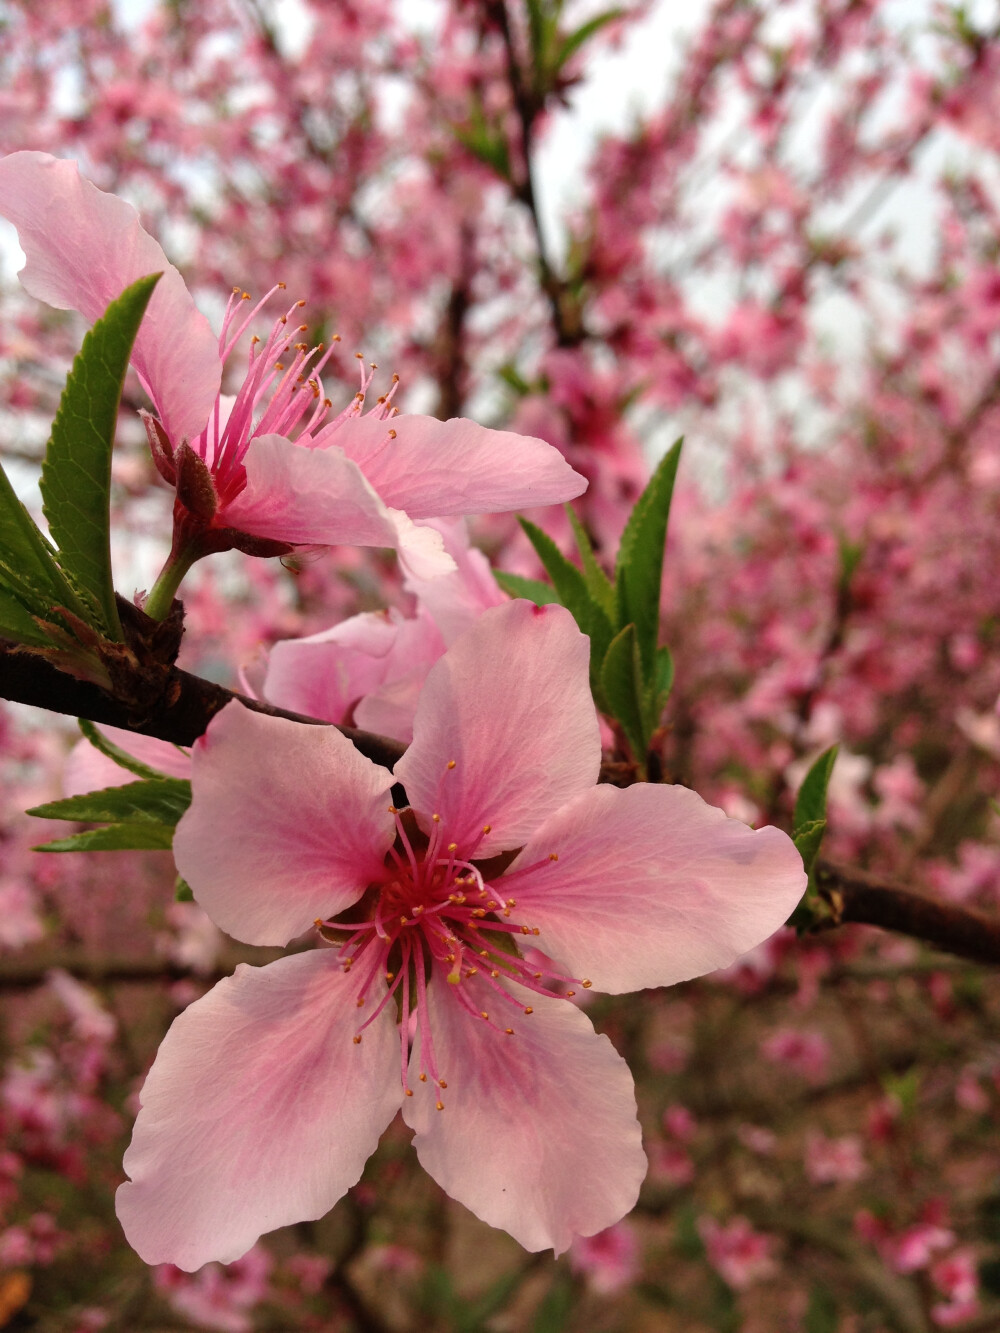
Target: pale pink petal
(433,468)
(457,600)
(83,248)
(653,886)
(539,1133)
(510,704)
(259,1110)
(86,769)
(307,497)
(324,674)
(288,822)
(318,497)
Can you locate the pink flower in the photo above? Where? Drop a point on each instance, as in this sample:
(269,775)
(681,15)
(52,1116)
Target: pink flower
(270,1092)
(609,1260)
(957,1278)
(808,1053)
(740,1255)
(830,1161)
(242,480)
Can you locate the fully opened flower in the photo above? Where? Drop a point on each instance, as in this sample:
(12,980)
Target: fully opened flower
(269,1093)
(269,468)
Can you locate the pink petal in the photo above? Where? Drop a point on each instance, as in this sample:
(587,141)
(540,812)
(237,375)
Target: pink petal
(510,703)
(457,600)
(83,248)
(653,886)
(319,497)
(539,1133)
(288,823)
(259,1110)
(324,674)
(435,468)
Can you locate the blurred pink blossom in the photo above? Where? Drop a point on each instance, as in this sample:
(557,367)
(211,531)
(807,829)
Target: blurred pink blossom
(740,1255)
(609,1260)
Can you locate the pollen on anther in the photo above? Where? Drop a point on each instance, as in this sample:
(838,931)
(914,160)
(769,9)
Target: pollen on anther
(245,296)
(494,973)
(553,856)
(509,1032)
(586,984)
(357,1039)
(300,304)
(361,1002)
(570,994)
(408,1091)
(392,435)
(483,1014)
(453,846)
(389,976)
(423,1078)
(451,763)
(487,828)
(439,1105)
(528,1009)
(281,286)
(538,976)
(442,1083)
(436,819)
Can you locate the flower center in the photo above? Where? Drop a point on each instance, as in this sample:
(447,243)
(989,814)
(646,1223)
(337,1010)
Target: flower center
(436,914)
(281,394)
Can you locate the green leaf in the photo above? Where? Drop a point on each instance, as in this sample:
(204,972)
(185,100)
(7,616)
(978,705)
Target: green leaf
(160,801)
(534,590)
(572,43)
(115,753)
(808,839)
(18,624)
(553,1315)
(657,690)
(621,684)
(115,838)
(575,596)
(810,804)
(29,574)
(599,585)
(182,891)
(76,474)
(639,570)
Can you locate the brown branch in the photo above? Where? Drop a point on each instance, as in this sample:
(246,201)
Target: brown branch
(853,897)
(180,715)
(157,699)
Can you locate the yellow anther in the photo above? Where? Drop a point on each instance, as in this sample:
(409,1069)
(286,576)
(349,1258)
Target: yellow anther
(439,1105)
(586,984)
(484,953)
(553,856)
(303,328)
(538,976)
(235,290)
(395,379)
(392,435)
(327,402)
(570,994)
(509,1032)
(525,930)
(373,365)
(453,846)
(403,921)
(423,1078)
(300,304)
(392,810)
(357,1040)
(483,1014)
(360,355)
(361,1002)
(436,819)
(254,340)
(471,972)
(278,365)
(418,909)
(536,930)
(389,976)
(442,1083)
(245,296)
(494,973)
(281,286)
(408,1091)
(529,1010)
(318,922)
(487,828)
(451,763)
(492,904)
